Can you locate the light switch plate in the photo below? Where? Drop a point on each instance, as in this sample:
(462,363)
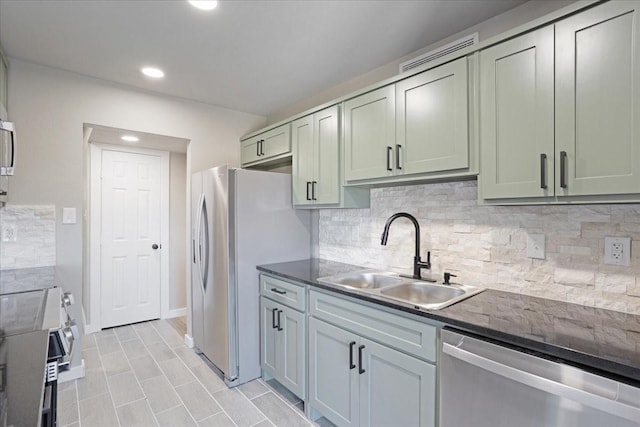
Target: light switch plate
(535,246)
(69,215)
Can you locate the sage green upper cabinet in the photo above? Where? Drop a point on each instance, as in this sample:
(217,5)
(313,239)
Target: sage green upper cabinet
(316,175)
(581,143)
(303,166)
(416,129)
(432,132)
(516,116)
(369,135)
(598,101)
(267,146)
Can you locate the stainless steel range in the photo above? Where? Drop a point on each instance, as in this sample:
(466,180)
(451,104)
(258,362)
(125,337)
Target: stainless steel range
(35,330)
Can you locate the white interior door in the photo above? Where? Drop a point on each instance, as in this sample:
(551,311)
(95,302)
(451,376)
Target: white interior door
(130,237)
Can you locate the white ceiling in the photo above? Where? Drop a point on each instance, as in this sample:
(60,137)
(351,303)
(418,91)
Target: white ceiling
(251,56)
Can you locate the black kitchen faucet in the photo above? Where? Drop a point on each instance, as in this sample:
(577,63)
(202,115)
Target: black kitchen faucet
(417,261)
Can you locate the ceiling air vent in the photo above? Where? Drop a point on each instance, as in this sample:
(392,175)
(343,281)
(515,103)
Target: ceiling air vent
(467,41)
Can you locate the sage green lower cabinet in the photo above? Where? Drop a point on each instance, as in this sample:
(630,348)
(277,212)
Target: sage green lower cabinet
(282,345)
(395,389)
(333,377)
(356,381)
(368,366)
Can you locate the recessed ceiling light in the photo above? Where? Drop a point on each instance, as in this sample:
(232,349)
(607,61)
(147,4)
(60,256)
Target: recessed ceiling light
(155,73)
(204,4)
(130,138)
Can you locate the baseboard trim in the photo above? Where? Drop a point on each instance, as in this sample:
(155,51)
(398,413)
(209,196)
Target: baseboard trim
(89,329)
(176,312)
(188,340)
(73,373)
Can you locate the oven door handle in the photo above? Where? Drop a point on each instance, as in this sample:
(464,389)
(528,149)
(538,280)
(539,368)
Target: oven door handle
(544,384)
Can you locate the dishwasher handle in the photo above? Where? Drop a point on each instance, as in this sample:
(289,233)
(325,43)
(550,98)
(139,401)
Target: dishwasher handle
(544,384)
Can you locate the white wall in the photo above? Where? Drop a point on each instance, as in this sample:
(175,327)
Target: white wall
(515,17)
(50,107)
(178,200)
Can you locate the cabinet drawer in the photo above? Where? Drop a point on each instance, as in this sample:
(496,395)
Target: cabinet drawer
(407,335)
(287,293)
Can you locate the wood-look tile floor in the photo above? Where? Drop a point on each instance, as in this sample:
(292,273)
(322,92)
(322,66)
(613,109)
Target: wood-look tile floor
(144,375)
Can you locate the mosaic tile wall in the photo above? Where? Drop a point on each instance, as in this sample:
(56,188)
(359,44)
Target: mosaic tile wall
(35,236)
(486,245)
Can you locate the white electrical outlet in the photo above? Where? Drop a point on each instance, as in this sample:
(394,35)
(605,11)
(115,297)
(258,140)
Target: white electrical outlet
(9,233)
(535,246)
(617,250)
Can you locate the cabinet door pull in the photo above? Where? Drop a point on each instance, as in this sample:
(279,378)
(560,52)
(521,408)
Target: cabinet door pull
(543,171)
(351,364)
(308,192)
(279,326)
(398,148)
(360,370)
(262,147)
(278,291)
(258,148)
(313,190)
(563,169)
(389,150)
(273,318)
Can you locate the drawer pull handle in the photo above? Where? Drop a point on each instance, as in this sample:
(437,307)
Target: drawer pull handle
(351,364)
(273,318)
(279,327)
(278,291)
(360,370)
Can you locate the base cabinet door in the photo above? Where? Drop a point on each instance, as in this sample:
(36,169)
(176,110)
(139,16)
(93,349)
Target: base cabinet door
(333,374)
(268,335)
(291,358)
(282,345)
(395,389)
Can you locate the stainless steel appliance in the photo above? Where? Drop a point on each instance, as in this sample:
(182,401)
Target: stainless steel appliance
(31,348)
(483,384)
(7,157)
(240,219)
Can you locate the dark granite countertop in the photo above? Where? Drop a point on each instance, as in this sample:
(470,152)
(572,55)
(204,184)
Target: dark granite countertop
(602,340)
(26,279)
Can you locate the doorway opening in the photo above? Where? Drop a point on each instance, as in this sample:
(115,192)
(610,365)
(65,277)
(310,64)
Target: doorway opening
(136,227)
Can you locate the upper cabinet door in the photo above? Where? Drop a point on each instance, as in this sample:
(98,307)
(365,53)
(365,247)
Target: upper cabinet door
(303,159)
(598,101)
(326,185)
(432,125)
(516,117)
(369,135)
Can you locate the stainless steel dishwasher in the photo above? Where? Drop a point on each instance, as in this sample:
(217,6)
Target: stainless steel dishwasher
(483,384)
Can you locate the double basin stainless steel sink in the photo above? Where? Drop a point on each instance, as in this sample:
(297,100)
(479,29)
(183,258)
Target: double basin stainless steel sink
(408,291)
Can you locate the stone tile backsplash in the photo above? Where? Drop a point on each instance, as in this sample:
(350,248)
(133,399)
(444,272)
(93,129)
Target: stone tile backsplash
(486,245)
(35,241)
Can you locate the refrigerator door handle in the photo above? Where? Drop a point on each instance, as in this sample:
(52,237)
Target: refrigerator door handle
(198,243)
(205,233)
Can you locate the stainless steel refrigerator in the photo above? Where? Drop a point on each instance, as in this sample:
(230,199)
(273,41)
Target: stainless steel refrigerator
(240,219)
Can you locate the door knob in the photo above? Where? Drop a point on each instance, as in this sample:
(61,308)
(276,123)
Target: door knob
(155,246)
